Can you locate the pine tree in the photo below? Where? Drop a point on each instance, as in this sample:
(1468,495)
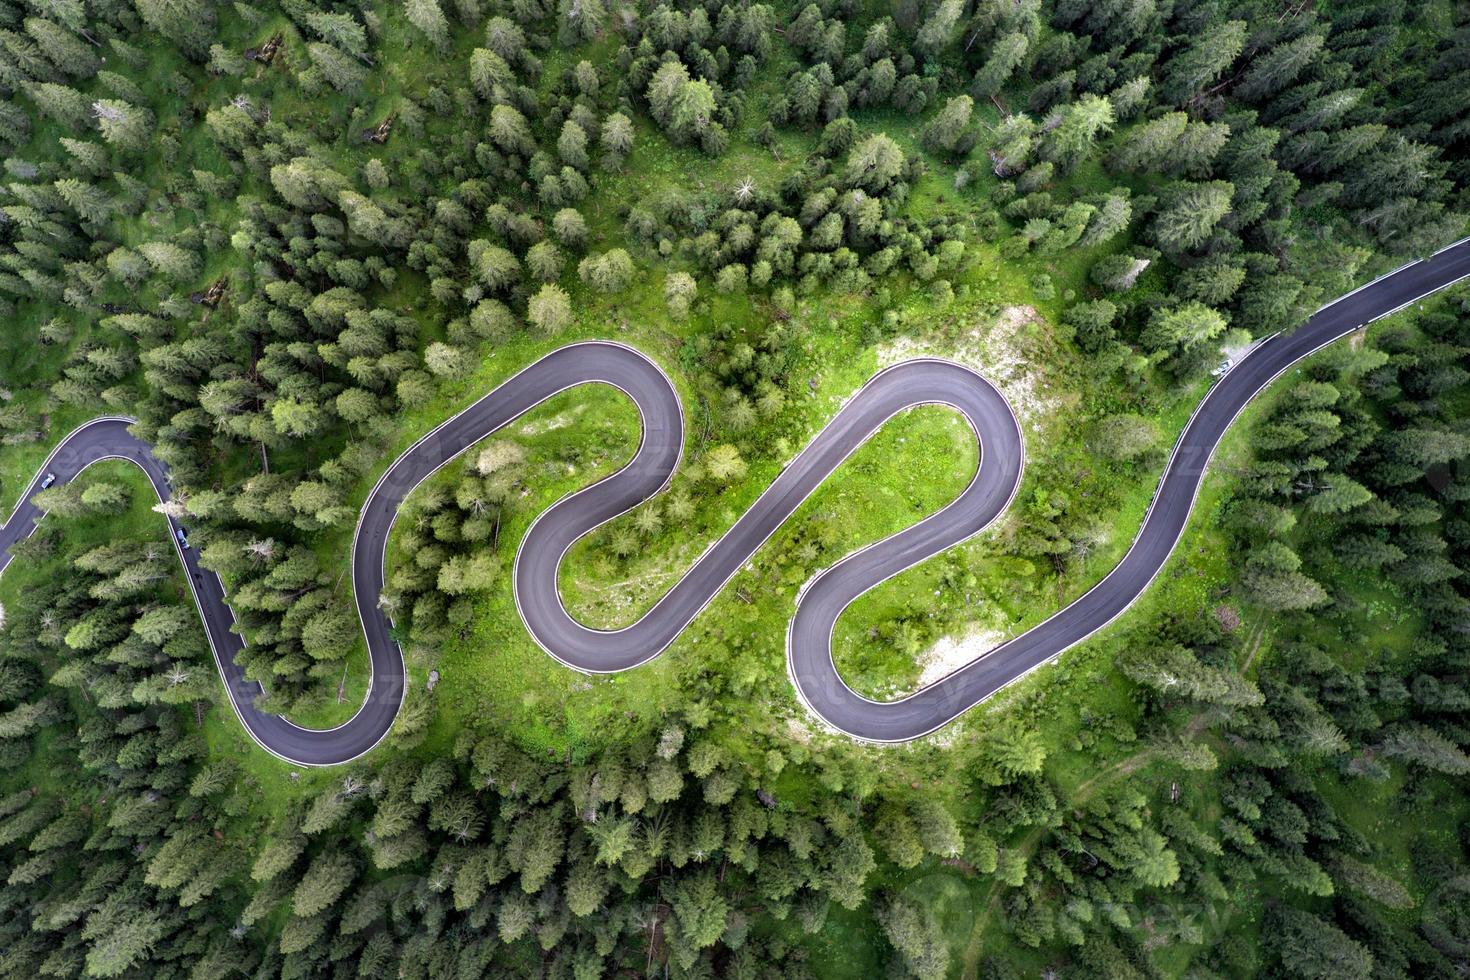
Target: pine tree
(535,848)
(329,809)
(1006,55)
(1182,327)
(123,939)
(946,129)
(691,115)
(701,914)
(848,865)
(1131,97)
(62,47)
(1191,213)
(586,78)
(90,202)
(1339,495)
(580,20)
(1118,272)
(506,39)
(1367,551)
(1277,68)
(189,24)
(1188,73)
(550,310)
(1011,752)
(307,183)
(1074,137)
(300,934)
(1213,282)
(1092,322)
(464,573)
(1427,748)
(342,31)
(937,828)
(427,16)
(65,105)
(545,261)
(917,936)
(874,164)
(514,917)
(586,888)
(1354,875)
(510,131)
(1111,218)
(330,875)
(343,72)
(1153,863)
(569,227)
(616,140)
(1012,143)
(297,417)
(571,146)
(1273,580)
(489,73)
(610,272)
(1149,146)
(723,463)
(496,267)
(679,292)
(1315,949)
(940,28)
(278,856)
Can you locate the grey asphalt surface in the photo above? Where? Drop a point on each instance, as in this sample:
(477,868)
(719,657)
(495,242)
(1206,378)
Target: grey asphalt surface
(809,658)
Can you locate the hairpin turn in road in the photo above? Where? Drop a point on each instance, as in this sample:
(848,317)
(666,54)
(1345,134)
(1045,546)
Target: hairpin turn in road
(821,601)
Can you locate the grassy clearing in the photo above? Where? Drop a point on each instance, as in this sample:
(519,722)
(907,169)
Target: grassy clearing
(274,783)
(925,457)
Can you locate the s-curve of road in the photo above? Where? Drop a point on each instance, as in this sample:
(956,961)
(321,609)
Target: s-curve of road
(821,601)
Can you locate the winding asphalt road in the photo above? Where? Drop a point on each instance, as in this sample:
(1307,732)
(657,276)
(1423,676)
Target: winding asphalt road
(821,601)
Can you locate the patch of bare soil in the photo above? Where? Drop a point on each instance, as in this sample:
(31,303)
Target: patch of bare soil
(1000,349)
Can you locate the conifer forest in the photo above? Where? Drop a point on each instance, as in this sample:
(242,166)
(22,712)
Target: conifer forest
(288,238)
